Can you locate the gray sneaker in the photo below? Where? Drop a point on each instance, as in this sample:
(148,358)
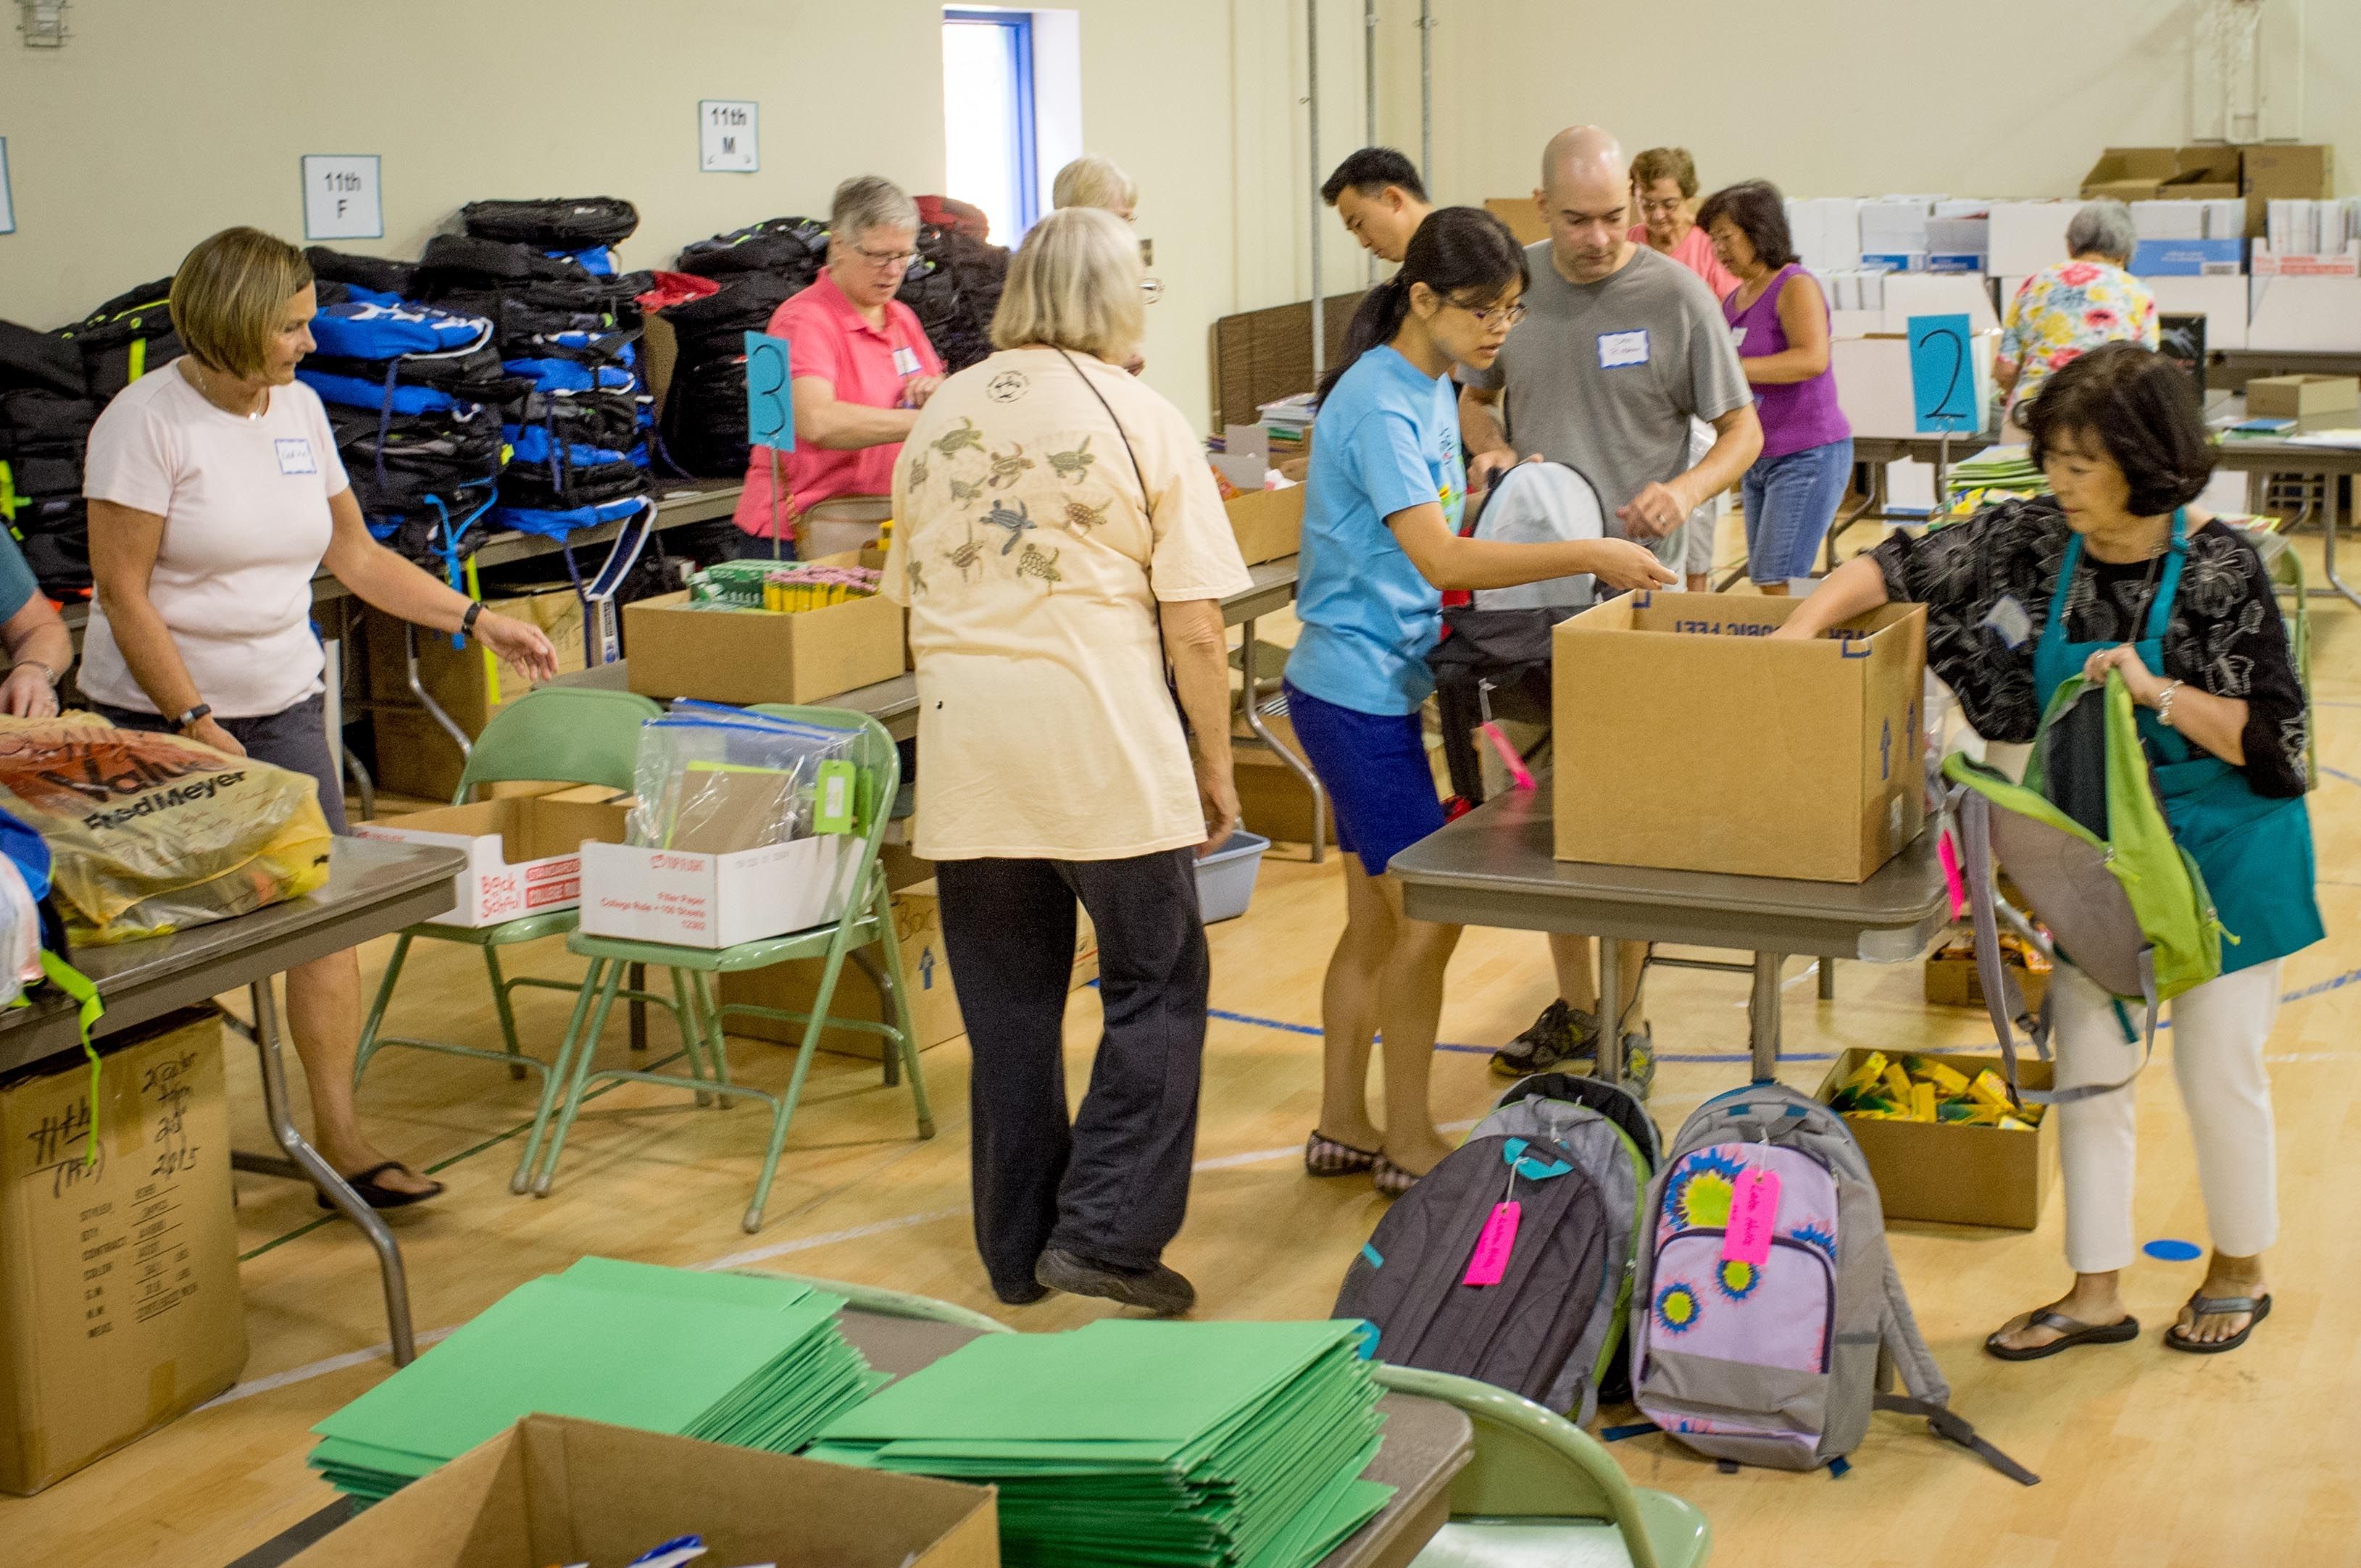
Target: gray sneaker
(1639,1062)
(1562,1034)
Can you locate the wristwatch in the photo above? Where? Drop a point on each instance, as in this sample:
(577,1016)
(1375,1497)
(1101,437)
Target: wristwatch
(188,721)
(468,621)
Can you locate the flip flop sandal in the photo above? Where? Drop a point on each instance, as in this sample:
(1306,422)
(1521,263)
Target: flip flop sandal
(2257,1309)
(1326,1157)
(2070,1333)
(377,1197)
(1390,1178)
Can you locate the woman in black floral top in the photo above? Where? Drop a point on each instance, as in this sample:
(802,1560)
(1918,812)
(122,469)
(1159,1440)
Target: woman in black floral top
(2116,572)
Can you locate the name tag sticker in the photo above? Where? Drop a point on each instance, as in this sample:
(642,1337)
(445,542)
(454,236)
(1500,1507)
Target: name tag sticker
(1737,338)
(295,455)
(2008,618)
(1619,349)
(906,362)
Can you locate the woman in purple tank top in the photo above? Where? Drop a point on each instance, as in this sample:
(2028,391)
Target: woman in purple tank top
(1780,319)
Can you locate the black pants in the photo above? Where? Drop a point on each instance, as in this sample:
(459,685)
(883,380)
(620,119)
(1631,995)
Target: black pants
(1113,1186)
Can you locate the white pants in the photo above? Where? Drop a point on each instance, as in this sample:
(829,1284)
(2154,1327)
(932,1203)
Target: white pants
(2218,1031)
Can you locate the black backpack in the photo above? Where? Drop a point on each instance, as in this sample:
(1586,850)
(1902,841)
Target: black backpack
(1521,1333)
(577,223)
(379,274)
(792,249)
(124,338)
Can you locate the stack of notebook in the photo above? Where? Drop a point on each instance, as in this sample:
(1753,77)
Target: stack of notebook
(1997,468)
(1232,1445)
(758,1361)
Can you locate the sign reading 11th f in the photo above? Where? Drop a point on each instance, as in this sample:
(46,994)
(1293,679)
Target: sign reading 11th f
(725,136)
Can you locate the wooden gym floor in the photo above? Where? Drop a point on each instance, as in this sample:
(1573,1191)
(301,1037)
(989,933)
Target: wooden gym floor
(2149,1458)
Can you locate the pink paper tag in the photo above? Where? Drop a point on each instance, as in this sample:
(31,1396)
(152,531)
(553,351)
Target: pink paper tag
(1491,1263)
(1754,1220)
(1954,880)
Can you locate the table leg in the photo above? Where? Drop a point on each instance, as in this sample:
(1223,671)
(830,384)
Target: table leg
(1762,1017)
(1611,1011)
(1827,980)
(1249,683)
(323,1175)
(2330,514)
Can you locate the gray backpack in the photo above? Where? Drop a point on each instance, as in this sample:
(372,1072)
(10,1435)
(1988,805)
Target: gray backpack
(1576,1155)
(1778,1364)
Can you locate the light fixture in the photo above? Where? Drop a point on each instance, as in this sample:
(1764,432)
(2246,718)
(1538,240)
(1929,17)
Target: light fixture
(44,24)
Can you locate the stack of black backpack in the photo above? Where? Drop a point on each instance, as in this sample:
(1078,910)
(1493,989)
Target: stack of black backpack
(46,412)
(566,321)
(759,268)
(415,397)
(953,288)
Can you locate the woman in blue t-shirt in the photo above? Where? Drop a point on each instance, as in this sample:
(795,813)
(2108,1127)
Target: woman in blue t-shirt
(1381,543)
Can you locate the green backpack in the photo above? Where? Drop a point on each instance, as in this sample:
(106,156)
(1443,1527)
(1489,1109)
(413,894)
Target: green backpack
(2085,839)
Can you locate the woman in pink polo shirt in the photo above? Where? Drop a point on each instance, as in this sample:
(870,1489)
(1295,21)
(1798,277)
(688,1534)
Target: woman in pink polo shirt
(861,367)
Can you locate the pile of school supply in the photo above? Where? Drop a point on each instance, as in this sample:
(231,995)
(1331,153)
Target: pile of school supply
(1138,1442)
(750,1360)
(1996,473)
(717,780)
(779,586)
(1927,1089)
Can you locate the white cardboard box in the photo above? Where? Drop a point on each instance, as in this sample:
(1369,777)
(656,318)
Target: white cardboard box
(2221,300)
(2321,313)
(716,900)
(1873,383)
(2028,236)
(525,852)
(1911,294)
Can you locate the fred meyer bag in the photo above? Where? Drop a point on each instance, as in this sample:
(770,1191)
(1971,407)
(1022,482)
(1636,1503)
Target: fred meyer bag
(149,833)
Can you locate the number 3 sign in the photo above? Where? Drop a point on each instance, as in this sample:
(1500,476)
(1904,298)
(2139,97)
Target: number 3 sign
(770,406)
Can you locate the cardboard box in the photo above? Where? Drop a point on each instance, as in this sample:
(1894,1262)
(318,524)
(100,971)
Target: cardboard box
(525,852)
(2221,300)
(2189,258)
(119,1307)
(1873,386)
(1934,294)
(1951,1172)
(1951,979)
(934,996)
(708,899)
(2264,262)
(2286,170)
(2145,173)
(553,1489)
(1686,743)
(414,755)
(2298,397)
(2304,313)
(2028,236)
(1523,216)
(1268,524)
(752,656)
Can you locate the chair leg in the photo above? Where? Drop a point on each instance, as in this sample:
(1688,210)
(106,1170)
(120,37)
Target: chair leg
(367,1046)
(692,1034)
(507,1013)
(717,1041)
(559,1070)
(785,1111)
(905,1040)
(892,1005)
(582,1060)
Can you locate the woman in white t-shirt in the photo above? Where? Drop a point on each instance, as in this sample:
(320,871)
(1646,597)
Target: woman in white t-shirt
(215,495)
(1058,541)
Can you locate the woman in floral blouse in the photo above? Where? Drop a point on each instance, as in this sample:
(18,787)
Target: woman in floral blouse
(2064,312)
(2117,572)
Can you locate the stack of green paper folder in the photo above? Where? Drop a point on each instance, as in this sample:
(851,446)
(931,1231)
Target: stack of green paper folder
(1138,1442)
(1997,468)
(758,1361)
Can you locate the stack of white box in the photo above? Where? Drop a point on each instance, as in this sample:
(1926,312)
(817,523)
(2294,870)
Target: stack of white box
(2224,219)
(2299,227)
(1894,231)
(1826,231)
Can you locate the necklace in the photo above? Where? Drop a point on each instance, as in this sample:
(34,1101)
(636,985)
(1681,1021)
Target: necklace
(207,392)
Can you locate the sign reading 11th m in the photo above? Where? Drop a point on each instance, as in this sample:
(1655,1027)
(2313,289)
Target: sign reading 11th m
(725,136)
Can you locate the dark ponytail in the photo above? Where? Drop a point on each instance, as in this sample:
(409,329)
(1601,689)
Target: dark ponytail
(1462,252)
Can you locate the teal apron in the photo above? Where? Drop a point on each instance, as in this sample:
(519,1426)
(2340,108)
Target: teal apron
(2255,851)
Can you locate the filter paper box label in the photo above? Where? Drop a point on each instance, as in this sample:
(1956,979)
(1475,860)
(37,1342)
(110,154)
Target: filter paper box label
(524,854)
(716,900)
(1688,742)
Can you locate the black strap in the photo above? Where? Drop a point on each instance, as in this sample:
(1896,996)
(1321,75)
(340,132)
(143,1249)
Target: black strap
(1147,506)
(1953,1428)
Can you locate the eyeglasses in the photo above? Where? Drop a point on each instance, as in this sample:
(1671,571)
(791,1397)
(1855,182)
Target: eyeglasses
(887,260)
(1153,288)
(1506,315)
(1666,207)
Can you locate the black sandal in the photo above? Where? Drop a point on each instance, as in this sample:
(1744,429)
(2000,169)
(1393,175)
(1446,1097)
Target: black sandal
(2257,1309)
(366,1186)
(2071,1333)
(1324,1155)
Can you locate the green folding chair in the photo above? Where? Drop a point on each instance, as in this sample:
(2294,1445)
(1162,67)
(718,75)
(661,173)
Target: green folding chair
(867,920)
(551,734)
(1543,1493)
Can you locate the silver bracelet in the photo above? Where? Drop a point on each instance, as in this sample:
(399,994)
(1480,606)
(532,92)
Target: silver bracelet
(2164,705)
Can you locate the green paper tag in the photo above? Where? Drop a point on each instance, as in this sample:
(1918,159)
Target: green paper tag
(833,811)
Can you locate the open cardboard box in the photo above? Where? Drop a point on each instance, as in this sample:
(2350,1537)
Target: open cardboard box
(525,852)
(555,1490)
(1952,1172)
(2180,173)
(750,656)
(1268,524)
(2299,397)
(1687,741)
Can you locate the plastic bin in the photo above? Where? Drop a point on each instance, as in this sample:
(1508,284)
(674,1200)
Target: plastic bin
(1226,879)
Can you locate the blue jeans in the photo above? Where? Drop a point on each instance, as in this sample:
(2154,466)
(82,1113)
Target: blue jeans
(1790,502)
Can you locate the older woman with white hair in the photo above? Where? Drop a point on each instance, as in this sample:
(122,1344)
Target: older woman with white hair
(1094,181)
(1059,542)
(858,367)
(2065,311)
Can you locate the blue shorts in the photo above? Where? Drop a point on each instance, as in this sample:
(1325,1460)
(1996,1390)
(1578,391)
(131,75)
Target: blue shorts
(1375,769)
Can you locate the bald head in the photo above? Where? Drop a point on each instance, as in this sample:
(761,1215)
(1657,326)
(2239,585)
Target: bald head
(1586,199)
(1583,155)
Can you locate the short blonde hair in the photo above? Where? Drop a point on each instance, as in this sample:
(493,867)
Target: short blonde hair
(1074,283)
(1093,182)
(230,297)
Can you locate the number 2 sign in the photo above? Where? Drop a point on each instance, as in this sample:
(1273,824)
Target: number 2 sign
(1943,375)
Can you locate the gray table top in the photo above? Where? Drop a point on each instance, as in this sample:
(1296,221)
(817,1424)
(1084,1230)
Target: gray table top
(373,888)
(1496,866)
(2247,452)
(1427,1442)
